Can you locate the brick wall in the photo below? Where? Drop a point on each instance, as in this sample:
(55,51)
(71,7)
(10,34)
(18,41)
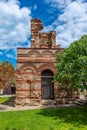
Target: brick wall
(31,62)
(39,39)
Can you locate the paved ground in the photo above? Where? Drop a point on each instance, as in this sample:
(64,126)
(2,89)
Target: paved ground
(9,105)
(9,108)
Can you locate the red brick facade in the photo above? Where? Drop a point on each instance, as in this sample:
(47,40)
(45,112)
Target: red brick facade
(36,67)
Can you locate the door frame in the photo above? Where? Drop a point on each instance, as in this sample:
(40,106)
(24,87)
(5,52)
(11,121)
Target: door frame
(47,86)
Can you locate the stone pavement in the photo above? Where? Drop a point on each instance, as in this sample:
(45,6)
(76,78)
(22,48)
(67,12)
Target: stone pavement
(17,108)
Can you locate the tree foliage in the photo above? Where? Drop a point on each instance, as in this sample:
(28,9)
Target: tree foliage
(72,65)
(7,74)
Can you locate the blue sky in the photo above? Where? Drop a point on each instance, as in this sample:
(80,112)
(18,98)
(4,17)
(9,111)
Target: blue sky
(67,17)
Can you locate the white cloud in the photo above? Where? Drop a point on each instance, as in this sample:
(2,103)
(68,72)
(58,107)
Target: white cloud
(72,23)
(35,7)
(61,3)
(14,24)
(11,56)
(1,53)
(58,3)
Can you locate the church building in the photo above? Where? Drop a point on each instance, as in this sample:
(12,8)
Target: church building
(36,67)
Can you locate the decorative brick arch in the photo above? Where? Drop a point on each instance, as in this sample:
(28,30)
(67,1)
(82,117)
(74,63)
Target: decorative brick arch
(28,66)
(47,66)
(33,53)
(47,53)
(58,52)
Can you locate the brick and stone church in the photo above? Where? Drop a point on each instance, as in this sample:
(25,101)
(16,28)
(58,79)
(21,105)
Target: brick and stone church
(36,67)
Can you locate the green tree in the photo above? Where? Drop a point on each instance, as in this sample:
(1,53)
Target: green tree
(7,75)
(72,65)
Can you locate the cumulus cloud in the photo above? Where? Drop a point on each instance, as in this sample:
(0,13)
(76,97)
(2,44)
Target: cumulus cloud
(61,3)
(14,24)
(58,3)
(72,23)
(75,23)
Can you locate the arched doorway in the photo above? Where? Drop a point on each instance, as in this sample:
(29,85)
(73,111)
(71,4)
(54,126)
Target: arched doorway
(47,86)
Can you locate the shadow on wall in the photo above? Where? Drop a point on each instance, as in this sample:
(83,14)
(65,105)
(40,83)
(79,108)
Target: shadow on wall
(10,102)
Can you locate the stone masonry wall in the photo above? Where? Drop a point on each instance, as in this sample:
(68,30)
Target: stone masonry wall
(39,39)
(32,61)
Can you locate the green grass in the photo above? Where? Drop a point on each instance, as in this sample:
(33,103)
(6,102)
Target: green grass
(4,99)
(74,118)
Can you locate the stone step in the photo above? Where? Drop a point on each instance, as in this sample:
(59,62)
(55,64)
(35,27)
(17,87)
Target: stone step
(81,102)
(47,102)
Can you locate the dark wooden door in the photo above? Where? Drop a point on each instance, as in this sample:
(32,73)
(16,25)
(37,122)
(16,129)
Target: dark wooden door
(47,85)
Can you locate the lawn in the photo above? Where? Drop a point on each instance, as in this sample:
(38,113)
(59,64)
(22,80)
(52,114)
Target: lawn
(74,118)
(4,99)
